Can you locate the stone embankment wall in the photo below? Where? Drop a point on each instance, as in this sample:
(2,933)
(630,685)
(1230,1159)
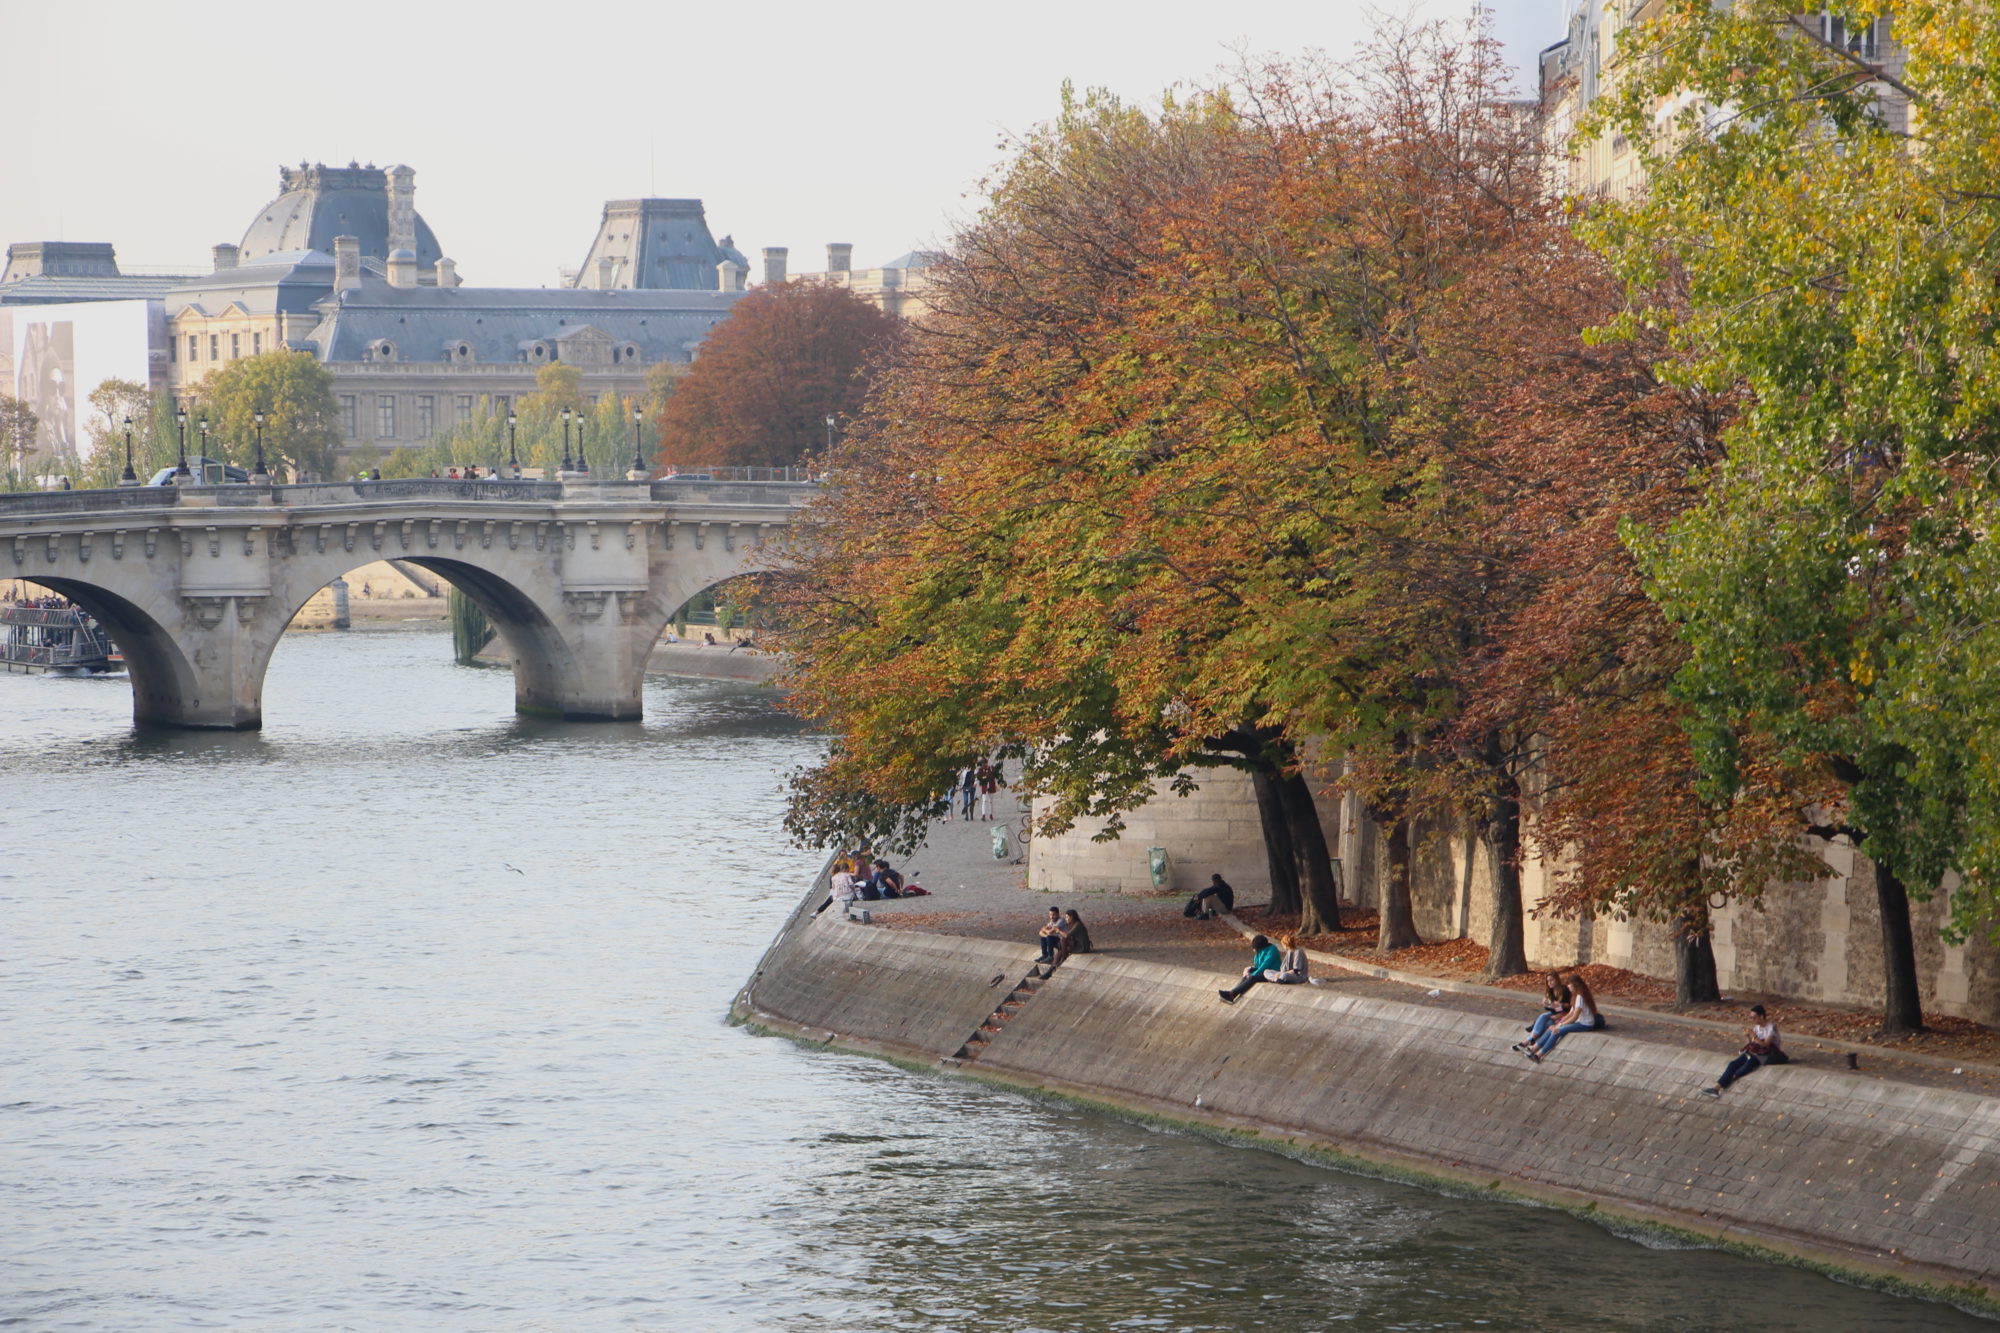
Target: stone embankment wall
(1868,1175)
(1815,941)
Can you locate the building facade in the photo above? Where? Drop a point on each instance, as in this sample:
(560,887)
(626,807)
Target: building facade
(898,287)
(341,265)
(1582,68)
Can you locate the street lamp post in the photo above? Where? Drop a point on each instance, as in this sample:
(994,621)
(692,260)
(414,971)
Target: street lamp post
(260,475)
(582,463)
(638,472)
(204,449)
(568,464)
(182,477)
(513,459)
(130,478)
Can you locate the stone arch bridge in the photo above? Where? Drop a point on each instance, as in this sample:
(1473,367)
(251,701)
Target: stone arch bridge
(196,584)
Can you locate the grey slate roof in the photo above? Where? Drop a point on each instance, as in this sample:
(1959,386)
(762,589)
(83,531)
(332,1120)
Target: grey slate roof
(292,281)
(53,289)
(423,322)
(915,259)
(658,244)
(309,218)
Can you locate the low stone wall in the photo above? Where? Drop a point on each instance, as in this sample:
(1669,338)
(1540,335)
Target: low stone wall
(1866,1174)
(1818,941)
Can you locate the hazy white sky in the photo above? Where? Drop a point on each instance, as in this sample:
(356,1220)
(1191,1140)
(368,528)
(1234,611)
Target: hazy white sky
(160,127)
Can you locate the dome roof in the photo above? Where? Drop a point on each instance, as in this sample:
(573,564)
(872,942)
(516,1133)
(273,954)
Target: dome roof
(317,203)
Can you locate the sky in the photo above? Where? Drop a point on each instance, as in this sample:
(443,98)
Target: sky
(160,127)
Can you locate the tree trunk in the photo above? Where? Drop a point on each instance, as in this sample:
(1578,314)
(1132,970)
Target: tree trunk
(1902,1006)
(1399,922)
(1320,908)
(1279,853)
(1507,949)
(1694,959)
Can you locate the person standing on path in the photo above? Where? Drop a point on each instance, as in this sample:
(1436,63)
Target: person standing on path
(990,781)
(1265,959)
(968,788)
(1760,1047)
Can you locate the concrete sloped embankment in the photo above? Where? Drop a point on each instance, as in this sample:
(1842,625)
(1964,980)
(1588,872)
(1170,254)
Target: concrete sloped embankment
(1866,1176)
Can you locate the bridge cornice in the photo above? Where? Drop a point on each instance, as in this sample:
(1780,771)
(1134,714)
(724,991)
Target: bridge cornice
(400,501)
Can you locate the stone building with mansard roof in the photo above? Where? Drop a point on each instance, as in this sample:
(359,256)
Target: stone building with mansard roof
(341,265)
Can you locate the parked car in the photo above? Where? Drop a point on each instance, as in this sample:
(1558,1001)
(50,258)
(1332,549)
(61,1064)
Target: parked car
(209,471)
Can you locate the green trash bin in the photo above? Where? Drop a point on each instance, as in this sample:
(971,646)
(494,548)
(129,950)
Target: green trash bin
(1158,867)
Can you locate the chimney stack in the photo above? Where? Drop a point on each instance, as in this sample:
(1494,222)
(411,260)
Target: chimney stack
(402,268)
(729,276)
(774,265)
(402,210)
(607,273)
(839,257)
(226,256)
(447,275)
(346,263)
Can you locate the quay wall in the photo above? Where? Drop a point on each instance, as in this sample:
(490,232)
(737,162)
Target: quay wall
(1862,1174)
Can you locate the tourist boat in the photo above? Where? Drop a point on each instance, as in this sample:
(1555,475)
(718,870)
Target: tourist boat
(58,639)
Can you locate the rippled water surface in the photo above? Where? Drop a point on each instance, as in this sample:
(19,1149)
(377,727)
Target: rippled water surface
(407,1014)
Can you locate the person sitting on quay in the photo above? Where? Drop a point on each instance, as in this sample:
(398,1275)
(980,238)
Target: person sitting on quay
(1218,889)
(1760,1047)
(1582,1016)
(1051,934)
(845,888)
(1071,937)
(1264,960)
(1555,1003)
(887,881)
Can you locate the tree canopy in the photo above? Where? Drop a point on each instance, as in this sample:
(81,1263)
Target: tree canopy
(295,394)
(767,378)
(1834,588)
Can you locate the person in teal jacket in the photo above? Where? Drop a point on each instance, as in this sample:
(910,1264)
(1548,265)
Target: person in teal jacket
(1264,959)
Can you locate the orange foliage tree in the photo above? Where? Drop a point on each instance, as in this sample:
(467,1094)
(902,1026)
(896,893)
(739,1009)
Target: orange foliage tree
(767,378)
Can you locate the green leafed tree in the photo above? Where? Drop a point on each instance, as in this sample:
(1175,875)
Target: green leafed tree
(18,424)
(295,394)
(1836,589)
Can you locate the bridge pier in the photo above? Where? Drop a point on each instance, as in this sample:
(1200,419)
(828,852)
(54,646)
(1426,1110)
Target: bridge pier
(225,651)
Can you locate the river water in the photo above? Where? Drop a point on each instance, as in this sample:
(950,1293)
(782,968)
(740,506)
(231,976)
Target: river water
(409,1014)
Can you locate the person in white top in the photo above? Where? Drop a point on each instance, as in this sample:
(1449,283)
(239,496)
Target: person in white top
(1760,1047)
(1582,1017)
(845,888)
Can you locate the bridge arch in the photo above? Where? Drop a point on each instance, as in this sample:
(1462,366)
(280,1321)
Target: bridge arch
(155,664)
(545,663)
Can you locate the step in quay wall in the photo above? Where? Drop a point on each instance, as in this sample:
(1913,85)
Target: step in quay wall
(918,995)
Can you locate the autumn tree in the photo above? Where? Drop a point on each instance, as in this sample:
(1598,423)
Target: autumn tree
(1833,589)
(18,425)
(1162,480)
(294,392)
(768,377)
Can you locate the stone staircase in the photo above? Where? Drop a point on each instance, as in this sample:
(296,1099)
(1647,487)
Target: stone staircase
(1017,999)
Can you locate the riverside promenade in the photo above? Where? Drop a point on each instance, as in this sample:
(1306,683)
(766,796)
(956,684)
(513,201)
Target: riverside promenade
(1889,1172)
